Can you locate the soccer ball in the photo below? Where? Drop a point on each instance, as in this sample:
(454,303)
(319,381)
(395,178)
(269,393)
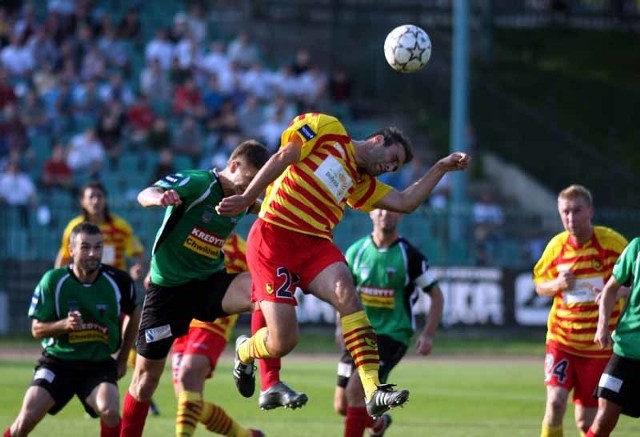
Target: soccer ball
(407,48)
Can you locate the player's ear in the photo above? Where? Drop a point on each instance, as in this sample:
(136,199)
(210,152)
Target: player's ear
(233,165)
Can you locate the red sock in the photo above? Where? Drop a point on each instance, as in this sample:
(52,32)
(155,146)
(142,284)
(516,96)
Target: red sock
(269,367)
(109,431)
(590,433)
(134,415)
(7,433)
(356,421)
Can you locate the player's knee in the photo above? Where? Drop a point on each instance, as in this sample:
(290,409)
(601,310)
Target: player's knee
(109,415)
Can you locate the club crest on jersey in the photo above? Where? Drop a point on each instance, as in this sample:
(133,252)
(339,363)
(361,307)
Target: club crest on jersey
(306,132)
(597,264)
(268,288)
(391,272)
(364,272)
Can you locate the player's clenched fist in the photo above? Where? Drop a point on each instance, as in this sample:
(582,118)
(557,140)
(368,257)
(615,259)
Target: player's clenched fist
(170,197)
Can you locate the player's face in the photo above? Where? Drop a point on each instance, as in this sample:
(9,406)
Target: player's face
(576,215)
(93,201)
(243,174)
(385,221)
(385,159)
(86,251)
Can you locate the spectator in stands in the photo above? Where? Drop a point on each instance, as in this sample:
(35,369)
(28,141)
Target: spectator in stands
(251,116)
(164,166)
(110,130)
(116,89)
(312,89)
(340,92)
(257,81)
(271,130)
(7,93)
(488,221)
(34,115)
(212,95)
(161,48)
(187,101)
(130,27)
(56,173)
(93,65)
(140,117)
(188,140)
(159,137)
(87,104)
(243,50)
(17,58)
(43,48)
(302,62)
(18,191)
(155,82)
(197,22)
(114,49)
(86,154)
(13,132)
(215,60)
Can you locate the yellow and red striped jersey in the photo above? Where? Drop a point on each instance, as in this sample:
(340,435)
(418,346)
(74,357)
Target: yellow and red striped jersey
(310,195)
(119,241)
(235,261)
(574,314)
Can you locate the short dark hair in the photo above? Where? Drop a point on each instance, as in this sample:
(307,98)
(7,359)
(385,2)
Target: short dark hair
(394,135)
(84,228)
(253,151)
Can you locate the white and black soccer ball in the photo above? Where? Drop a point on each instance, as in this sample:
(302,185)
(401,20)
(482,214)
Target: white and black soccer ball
(407,48)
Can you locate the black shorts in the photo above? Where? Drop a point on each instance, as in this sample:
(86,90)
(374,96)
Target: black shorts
(168,311)
(65,378)
(620,384)
(391,352)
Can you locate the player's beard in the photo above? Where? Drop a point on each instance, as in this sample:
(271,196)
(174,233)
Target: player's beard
(90,265)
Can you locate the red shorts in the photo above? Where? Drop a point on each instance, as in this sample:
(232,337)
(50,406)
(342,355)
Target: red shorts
(562,369)
(281,260)
(199,341)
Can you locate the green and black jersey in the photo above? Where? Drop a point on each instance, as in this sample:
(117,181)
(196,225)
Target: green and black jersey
(387,280)
(188,245)
(100,303)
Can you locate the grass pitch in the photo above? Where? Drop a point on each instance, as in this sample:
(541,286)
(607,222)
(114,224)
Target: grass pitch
(461,396)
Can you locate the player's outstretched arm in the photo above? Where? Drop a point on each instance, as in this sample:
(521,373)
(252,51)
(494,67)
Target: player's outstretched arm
(155,196)
(285,156)
(607,302)
(414,195)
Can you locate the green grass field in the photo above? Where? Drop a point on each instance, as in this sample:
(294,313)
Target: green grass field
(463,396)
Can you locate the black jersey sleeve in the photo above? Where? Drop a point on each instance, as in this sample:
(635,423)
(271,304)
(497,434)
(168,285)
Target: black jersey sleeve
(126,286)
(417,268)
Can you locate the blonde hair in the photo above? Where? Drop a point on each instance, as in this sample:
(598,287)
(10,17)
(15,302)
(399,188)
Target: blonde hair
(575,190)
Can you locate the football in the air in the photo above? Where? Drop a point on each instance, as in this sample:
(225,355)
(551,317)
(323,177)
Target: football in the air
(407,48)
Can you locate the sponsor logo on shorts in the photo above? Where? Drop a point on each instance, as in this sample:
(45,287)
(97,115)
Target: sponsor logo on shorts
(157,334)
(610,382)
(45,374)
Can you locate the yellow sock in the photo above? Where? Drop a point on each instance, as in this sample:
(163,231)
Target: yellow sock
(131,358)
(551,431)
(255,347)
(362,344)
(216,419)
(583,434)
(189,409)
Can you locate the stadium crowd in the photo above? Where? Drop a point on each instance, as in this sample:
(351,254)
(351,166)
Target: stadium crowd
(82,89)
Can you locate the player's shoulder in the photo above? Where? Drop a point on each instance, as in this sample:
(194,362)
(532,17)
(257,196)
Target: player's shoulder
(408,246)
(356,245)
(606,234)
(119,221)
(55,275)
(121,277)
